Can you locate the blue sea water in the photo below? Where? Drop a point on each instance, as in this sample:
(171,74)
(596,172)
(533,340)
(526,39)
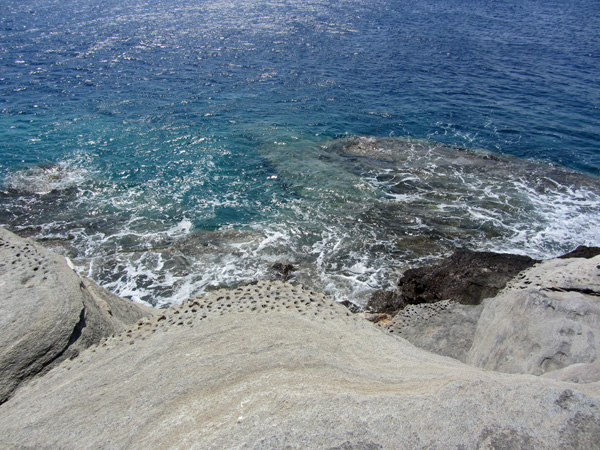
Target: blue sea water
(172,147)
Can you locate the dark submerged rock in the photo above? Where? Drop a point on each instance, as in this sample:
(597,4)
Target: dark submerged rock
(284,271)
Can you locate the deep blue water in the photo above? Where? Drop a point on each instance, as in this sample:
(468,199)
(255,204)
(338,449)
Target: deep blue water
(169,147)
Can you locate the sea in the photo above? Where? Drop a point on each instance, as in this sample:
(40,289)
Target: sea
(172,147)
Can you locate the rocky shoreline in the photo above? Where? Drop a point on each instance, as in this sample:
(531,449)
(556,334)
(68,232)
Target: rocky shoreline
(273,365)
(501,312)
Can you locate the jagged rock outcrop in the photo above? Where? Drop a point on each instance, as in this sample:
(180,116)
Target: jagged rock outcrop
(48,313)
(466,277)
(283,271)
(582,251)
(545,321)
(436,307)
(387,302)
(274,366)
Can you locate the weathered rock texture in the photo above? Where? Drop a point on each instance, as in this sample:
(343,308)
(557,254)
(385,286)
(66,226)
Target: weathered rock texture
(48,313)
(544,321)
(388,302)
(446,327)
(274,366)
(442,299)
(466,277)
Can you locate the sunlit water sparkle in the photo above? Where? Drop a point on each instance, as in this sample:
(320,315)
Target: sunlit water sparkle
(169,148)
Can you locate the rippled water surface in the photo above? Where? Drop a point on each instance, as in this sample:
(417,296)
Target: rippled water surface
(170,147)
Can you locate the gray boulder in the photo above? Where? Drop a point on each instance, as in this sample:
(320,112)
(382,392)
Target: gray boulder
(545,321)
(273,366)
(387,302)
(48,313)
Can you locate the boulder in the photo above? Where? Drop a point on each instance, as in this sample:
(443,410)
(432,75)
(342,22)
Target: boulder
(48,313)
(466,277)
(274,366)
(283,271)
(546,320)
(387,302)
(577,373)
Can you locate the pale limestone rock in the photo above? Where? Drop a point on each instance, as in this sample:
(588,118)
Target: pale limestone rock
(48,313)
(545,321)
(569,275)
(273,366)
(577,373)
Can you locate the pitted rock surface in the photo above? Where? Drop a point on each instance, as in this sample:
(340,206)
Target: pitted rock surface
(275,366)
(446,328)
(260,298)
(48,313)
(580,275)
(547,321)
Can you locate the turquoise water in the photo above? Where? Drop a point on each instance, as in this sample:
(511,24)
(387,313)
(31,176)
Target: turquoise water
(169,148)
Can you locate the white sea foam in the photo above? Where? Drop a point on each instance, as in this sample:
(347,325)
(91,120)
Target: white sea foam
(181,229)
(352,226)
(45,179)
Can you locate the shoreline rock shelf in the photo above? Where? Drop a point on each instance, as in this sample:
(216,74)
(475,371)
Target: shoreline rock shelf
(273,365)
